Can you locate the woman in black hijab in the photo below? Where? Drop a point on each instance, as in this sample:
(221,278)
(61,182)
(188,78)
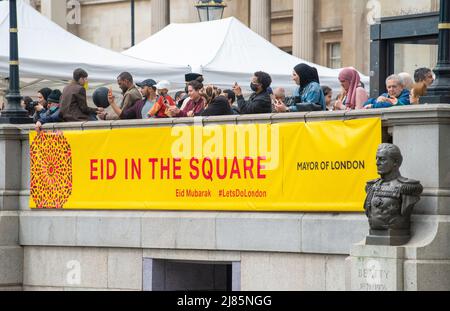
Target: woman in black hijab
(309,96)
(218,107)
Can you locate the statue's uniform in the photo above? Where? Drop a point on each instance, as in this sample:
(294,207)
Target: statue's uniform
(389,203)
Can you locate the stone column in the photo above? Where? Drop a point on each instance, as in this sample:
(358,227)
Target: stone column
(55,10)
(434,48)
(11,254)
(160,15)
(260,18)
(303,29)
(355,51)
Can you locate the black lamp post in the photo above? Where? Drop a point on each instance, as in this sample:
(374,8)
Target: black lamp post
(14,113)
(210,10)
(439,91)
(132,24)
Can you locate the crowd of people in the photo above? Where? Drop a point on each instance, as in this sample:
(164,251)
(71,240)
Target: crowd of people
(150,99)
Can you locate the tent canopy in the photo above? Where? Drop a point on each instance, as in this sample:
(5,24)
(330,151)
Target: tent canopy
(225,51)
(47,51)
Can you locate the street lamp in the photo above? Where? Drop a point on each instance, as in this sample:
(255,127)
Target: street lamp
(439,91)
(210,10)
(132,23)
(14,113)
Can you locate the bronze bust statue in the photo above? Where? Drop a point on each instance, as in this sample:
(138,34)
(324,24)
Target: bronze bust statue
(390,200)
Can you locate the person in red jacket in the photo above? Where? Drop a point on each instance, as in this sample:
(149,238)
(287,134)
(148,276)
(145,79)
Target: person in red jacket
(165,101)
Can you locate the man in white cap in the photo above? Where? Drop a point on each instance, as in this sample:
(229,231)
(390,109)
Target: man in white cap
(164,101)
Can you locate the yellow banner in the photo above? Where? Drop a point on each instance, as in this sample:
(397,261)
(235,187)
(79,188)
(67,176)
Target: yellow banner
(319,166)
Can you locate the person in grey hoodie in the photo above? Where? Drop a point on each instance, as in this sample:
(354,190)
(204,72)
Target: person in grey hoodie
(260,101)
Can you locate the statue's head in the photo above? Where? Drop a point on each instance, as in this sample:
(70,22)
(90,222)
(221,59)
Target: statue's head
(389,159)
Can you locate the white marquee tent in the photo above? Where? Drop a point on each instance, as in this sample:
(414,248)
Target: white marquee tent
(225,51)
(47,51)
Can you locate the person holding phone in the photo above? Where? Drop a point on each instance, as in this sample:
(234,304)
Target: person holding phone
(131,95)
(260,101)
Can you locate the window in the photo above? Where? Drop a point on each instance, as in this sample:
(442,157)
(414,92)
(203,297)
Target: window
(412,54)
(334,55)
(329,47)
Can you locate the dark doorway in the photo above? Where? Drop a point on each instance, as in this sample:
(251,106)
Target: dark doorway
(170,275)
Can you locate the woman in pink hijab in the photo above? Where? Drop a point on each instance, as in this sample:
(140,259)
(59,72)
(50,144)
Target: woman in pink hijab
(353,96)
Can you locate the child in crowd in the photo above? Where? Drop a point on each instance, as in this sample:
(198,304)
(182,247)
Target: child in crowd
(328,92)
(165,101)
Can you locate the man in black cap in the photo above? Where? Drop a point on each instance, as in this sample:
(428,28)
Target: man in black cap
(193,76)
(142,107)
(189,77)
(51,114)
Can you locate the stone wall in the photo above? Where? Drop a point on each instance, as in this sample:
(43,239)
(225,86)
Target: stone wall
(46,268)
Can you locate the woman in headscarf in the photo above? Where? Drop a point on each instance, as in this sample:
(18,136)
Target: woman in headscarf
(353,95)
(309,96)
(209,93)
(219,106)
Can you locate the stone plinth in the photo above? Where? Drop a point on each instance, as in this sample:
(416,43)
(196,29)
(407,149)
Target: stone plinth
(376,268)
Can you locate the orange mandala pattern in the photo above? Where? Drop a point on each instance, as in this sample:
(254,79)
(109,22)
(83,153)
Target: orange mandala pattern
(51,170)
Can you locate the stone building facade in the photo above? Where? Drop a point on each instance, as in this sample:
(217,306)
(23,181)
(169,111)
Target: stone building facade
(128,250)
(333,33)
